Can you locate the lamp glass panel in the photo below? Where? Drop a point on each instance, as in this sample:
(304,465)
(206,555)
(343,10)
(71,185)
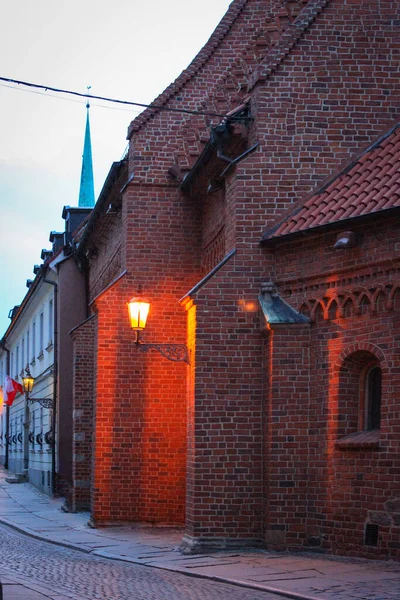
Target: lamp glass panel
(138,312)
(27,384)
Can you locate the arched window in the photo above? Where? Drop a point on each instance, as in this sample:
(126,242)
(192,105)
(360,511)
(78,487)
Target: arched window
(373,393)
(360,391)
(360,399)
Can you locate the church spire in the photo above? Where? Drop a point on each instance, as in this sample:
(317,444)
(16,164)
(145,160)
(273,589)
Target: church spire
(86,191)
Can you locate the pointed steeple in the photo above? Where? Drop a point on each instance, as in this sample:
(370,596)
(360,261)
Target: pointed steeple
(86,191)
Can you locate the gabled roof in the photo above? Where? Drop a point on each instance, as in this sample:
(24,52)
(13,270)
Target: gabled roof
(370,184)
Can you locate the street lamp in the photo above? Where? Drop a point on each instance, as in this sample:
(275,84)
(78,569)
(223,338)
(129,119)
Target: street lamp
(138,310)
(27,384)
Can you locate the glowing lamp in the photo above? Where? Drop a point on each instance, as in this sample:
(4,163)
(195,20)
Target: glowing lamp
(138,312)
(27,385)
(27,382)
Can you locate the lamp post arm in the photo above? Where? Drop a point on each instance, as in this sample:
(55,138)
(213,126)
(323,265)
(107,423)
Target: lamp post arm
(173,352)
(45,402)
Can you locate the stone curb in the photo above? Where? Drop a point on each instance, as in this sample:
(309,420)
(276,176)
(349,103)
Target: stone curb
(124,558)
(42,538)
(235,582)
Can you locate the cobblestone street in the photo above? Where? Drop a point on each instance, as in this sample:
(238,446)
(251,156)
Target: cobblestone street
(84,577)
(46,553)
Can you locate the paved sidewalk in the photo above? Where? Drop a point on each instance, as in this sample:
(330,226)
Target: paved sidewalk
(302,576)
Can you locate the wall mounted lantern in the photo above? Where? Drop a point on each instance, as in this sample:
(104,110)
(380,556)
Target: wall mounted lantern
(27,384)
(138,309)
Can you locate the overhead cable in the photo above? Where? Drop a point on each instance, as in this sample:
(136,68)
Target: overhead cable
(33,91)
(90,96)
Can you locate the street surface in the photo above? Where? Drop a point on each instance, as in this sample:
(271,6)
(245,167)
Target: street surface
(64,573)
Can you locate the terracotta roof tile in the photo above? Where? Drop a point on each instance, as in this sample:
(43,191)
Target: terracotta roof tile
(370,184)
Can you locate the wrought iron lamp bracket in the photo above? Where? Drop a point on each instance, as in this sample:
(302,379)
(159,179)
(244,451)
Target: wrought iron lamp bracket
(173,352)
(45,402)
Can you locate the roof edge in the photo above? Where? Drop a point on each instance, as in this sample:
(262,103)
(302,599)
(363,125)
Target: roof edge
(201,58)
(209,276)
(345,223)
(288,41)
(345,168)
(112,176)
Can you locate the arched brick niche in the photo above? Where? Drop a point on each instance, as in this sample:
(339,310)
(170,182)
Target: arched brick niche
(360,371)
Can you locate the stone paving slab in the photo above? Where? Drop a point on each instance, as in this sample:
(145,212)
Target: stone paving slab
(20,592)
(299,576)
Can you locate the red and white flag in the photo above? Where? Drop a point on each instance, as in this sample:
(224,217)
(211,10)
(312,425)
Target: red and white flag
(10,390)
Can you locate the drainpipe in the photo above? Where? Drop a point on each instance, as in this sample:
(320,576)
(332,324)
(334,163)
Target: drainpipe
(55,384)
(6,350)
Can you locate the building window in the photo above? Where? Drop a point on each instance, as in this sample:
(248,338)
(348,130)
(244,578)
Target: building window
(33,340)
(360,395)
(50,321)
(41,332)
(27,346)
(23,356)
(373,393)
(16,362)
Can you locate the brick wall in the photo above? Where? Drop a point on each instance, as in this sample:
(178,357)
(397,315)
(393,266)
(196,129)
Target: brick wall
(225,446)
(332,95)
(288,418)
(353,300)
(139,452)
(84,377)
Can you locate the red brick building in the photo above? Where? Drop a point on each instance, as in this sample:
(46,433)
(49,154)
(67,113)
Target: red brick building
(282,429)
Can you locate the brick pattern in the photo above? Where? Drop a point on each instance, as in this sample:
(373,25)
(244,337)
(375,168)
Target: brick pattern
(213,242)
(84,376)
(335,302)
(105,255)
(306,130)
(287,424)
(225,461)
(349,484)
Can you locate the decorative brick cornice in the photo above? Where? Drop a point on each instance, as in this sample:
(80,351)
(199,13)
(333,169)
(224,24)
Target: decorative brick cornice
(288,40)
(386,271)
(284,20)
(340,302)
(199,61)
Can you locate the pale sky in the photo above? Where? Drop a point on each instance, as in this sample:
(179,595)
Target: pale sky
(126,49)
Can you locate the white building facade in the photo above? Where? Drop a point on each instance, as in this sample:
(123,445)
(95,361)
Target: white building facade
(27,437)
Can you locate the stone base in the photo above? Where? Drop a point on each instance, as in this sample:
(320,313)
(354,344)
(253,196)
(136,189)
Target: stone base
(17,478)
(201,545)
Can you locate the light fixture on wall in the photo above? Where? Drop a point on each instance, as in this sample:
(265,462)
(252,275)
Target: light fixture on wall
(27,384)
(346,239)
(138,309)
